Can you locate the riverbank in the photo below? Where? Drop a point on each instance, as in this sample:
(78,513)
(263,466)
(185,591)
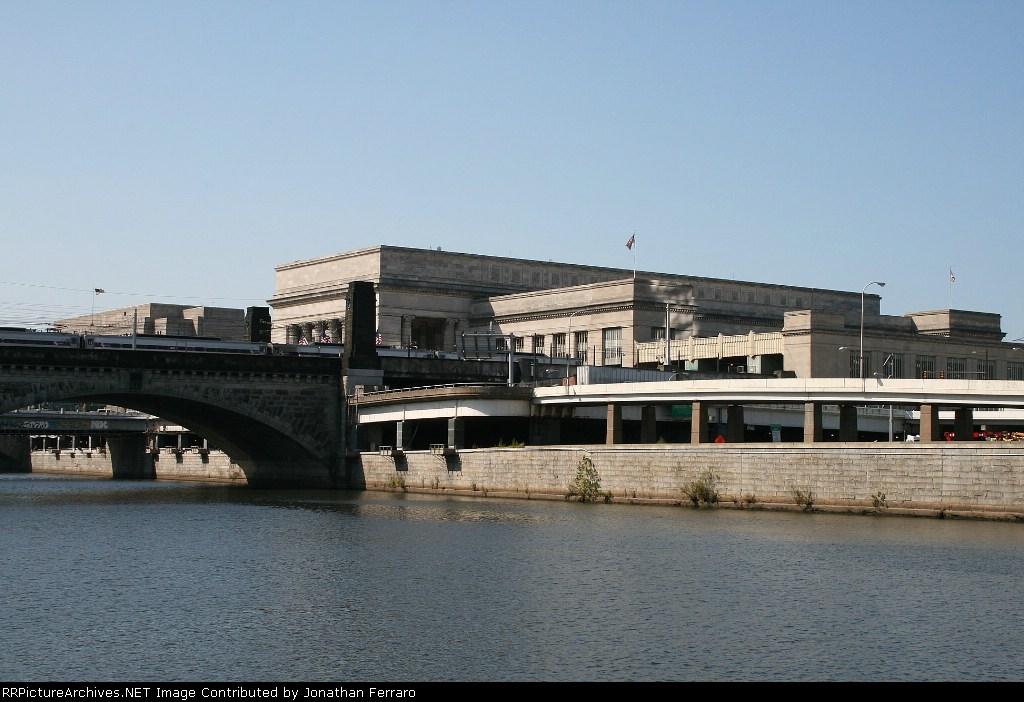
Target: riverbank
(976,480)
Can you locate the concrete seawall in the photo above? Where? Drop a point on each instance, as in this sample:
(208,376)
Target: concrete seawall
(168,465)
(976,480)
(981,480)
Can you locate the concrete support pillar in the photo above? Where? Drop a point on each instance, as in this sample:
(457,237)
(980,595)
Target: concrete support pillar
(457,433)
(847,422)
(545,431)
(963,424)
(128,457)
(400,437)
(699,423)
(614,431)
(930,428)
(15,454)
(648,425)
(735,428)
(812,422)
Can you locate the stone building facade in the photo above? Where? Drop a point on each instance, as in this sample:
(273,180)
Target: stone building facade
(432,299)
(157,318)
(453,302)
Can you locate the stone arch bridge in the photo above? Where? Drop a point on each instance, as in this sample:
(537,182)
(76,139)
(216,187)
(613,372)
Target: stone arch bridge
(279,418)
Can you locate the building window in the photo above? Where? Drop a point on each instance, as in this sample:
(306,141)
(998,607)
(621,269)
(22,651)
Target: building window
(520,344)
(985,369)
(558,346)
(579,345)
(956,368)
(657,333)
(924,367)
(538,343)
(1014,371)
(611,342)
(854,365)
(892,366)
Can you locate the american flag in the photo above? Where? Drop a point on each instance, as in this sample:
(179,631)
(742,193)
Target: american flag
(99,291)
(378,339)
(952,278)
(632,240)
(303,342)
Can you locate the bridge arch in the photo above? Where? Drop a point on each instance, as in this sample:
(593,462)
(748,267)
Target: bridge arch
(278,418)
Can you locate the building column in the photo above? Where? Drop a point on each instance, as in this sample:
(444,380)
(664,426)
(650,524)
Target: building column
(648,425)
(812,422)
(699,423)
(614,430)
(848,422)
(929,428)
(400,435)
(963,424)
(735,428)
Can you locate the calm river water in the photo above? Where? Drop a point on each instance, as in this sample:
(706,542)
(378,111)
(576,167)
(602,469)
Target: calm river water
(181,582)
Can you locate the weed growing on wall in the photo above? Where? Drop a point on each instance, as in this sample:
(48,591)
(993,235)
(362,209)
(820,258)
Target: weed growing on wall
(878,500)
(587,484)
(804,499)
(703,490)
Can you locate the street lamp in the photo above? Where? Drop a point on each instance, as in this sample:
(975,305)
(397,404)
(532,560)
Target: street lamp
(861,359)
(568,348)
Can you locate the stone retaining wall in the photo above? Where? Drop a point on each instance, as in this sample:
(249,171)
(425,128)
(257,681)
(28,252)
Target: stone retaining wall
(215,467)
(980,479)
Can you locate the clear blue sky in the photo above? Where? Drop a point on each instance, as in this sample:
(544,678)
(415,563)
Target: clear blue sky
(179,150)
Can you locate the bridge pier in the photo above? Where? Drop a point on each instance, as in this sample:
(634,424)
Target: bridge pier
(735,428)
(847,422)
(456,433)
(400,435)
(812,423)
(930,429)
(128,457)
(699,423)
(15,454)
(648,425)
(963,424)
(614,431)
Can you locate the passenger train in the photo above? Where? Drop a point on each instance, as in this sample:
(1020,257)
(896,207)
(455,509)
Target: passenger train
(13,336)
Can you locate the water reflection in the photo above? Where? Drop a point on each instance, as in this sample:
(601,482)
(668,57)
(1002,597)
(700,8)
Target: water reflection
(170,581)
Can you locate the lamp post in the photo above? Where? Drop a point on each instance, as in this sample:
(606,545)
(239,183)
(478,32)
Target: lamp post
(885,363)
(568,348)
(860,360)
(983,375)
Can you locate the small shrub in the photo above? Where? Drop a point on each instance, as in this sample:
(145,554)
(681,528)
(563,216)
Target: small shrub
(804,499)
(397,482)
(703,490)
(878,500)
(749,499)
(514,443)
(435,483)
(587,484)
